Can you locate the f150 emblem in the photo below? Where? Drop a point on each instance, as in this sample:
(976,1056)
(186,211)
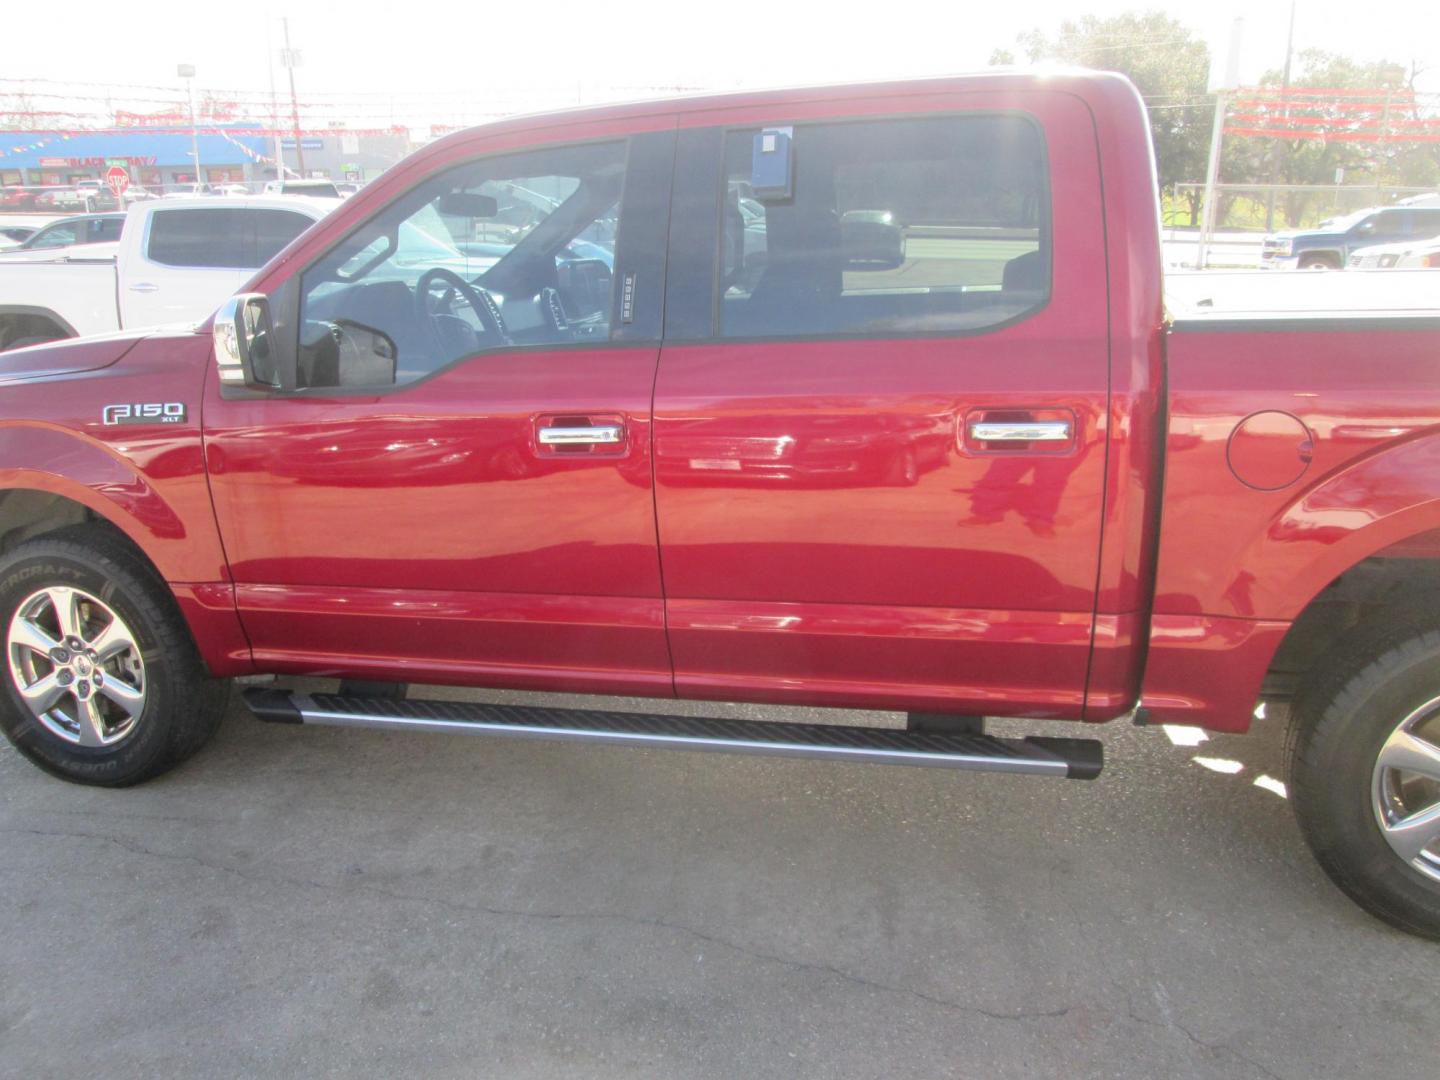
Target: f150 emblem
(145,412)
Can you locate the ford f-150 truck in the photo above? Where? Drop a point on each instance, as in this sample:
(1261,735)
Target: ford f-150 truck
(173,261)
(865,397)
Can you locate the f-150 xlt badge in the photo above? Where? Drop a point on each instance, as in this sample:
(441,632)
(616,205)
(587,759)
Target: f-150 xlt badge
(145,412)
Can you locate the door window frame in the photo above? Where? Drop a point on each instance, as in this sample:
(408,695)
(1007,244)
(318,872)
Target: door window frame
(697,211)
(640,250)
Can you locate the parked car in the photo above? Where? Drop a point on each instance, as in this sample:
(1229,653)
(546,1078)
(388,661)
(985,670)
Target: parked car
(49,199)
(1329,246)
(188,191)
(1421,255)
(18,198)
(1420,200)
(83,229)
(933,487)
(174,262)
(87,195)
(12,236)
(315,189)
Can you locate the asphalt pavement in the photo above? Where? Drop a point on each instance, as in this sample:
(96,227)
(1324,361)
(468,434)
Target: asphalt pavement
(302,902)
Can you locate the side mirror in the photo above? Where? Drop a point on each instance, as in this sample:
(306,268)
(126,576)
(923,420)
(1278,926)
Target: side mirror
(242,343)
(870,240)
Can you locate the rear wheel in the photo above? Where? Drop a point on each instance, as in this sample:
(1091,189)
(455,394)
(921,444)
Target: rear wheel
(102,682)
(1365,773)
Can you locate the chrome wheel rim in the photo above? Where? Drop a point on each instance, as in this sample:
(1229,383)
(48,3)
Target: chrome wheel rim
(76,666)
(1406,789)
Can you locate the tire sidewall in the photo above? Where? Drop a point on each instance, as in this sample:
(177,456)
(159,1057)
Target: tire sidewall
(1335,802)
(150,739)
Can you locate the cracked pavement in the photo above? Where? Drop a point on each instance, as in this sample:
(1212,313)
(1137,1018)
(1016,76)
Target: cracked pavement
(311,902)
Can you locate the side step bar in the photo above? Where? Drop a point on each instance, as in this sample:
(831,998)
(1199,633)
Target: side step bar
(1078,759)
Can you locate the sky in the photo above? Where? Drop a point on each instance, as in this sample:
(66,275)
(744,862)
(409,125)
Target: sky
(444,62)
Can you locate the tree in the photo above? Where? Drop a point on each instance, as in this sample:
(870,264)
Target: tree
(1314,161)
(1167,63)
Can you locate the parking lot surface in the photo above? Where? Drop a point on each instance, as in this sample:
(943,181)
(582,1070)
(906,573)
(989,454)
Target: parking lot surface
(310,902)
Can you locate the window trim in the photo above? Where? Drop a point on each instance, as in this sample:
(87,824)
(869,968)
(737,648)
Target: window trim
(717,249)
(286,300)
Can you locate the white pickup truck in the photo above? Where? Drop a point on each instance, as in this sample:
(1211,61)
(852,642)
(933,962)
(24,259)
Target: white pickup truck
(176,261)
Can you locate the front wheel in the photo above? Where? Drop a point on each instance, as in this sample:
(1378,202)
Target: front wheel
(103,684)
(1364,761)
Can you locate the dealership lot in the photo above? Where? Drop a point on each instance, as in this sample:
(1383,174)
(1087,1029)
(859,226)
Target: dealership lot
(303,901)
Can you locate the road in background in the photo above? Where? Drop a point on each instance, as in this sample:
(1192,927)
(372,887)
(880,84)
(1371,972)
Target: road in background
(306,901)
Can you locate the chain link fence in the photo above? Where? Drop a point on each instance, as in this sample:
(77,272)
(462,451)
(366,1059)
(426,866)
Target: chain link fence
(1262,208)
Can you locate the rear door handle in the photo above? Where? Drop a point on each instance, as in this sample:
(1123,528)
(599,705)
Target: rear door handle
(597,435)
(1020,431)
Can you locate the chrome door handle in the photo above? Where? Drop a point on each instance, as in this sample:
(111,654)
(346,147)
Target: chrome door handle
(1020,431)
(599,435)
(144,286)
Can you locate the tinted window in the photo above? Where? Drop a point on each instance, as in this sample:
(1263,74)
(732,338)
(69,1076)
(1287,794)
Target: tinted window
(220,238)
(895,226)
(508,251)
(61,235)
(273,230)
(105,229)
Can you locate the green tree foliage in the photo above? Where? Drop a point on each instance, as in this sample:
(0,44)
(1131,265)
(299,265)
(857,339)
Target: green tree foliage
(1167,62)
(1390,161)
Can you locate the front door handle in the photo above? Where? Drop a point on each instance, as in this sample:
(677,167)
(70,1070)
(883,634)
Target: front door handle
(144,286)
(1020,431)
(596,435)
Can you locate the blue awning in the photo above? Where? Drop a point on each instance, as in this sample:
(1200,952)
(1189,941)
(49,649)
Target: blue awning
(141,149)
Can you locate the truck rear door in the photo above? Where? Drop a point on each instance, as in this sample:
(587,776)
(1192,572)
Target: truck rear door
(880,409)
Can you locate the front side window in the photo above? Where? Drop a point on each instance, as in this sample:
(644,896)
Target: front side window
(506,251)
(891,227)
(57,236)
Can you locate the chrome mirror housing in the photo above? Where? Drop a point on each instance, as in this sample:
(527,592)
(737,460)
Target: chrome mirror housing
(242,343)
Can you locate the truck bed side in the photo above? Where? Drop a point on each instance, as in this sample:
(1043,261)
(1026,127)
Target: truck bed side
(1300,452)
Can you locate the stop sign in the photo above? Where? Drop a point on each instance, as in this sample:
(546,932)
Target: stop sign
(117,180)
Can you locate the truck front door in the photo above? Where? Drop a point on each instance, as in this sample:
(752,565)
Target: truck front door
(452,482)
(881,406)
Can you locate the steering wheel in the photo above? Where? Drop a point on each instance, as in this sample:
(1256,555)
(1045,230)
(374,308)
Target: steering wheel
(486,310)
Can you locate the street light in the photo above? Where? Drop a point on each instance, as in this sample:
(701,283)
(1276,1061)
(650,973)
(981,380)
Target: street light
(187,72)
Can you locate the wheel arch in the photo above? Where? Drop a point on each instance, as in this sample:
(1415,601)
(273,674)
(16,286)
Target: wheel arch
(34,503)
(1363,562)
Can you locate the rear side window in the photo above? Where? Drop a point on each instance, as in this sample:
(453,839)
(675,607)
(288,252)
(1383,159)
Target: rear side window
(221,238)
(893,227)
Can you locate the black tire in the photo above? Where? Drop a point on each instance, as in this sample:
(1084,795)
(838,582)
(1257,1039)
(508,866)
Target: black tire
(1361,694)
(182,705)
(1319,262)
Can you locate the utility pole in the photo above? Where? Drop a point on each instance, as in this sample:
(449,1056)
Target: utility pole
(279,150)
(1284,96)
(291,59)
(187,72)
(1217,131)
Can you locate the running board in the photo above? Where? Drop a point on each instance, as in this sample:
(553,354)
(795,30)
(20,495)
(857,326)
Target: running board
(1078,759)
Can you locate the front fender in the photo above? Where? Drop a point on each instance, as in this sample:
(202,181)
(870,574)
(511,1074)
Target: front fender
(147,479)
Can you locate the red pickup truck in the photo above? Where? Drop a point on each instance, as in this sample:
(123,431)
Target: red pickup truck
(859,396)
